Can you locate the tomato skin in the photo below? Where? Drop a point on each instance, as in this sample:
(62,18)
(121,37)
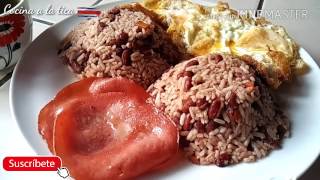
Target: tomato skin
(151,139)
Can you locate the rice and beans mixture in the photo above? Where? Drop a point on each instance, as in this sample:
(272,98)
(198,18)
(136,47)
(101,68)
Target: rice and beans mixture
(120,42)
(224,112)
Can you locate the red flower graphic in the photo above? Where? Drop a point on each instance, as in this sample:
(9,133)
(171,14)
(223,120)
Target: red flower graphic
(11,27)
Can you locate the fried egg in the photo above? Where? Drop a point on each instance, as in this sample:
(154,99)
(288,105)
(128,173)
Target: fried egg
(201,30)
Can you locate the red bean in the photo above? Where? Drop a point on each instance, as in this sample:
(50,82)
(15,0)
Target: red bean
(234,114)
(217,58)
(125,57)
(188,73)
(233,100)
(214,109)
(187,84)
(183,142)
(111,42)
(199,126)
(185,74)
(223,160)
(202,104)
(233,109)
(122,38)
(114,11)
(187,123)
(112,17)
(186,104)
(192,63)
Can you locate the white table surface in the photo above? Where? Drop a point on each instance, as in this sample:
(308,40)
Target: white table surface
(12,142)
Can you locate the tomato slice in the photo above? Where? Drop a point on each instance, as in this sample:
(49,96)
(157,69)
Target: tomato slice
(83,88)
(113,136)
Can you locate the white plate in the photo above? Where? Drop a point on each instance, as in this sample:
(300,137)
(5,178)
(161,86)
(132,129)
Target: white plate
(40,75)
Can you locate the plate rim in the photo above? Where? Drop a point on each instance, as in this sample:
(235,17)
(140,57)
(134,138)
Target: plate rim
(113,3)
